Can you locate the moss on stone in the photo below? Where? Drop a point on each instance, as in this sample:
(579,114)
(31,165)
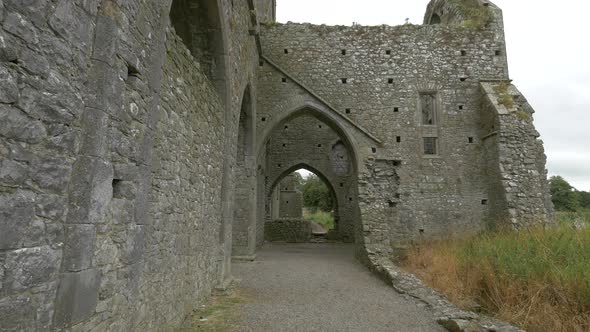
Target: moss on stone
(476,15)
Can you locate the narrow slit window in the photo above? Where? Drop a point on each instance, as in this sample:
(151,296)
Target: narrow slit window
(428,106)
(398,139)
(374,150)
(343,52)
(430,145)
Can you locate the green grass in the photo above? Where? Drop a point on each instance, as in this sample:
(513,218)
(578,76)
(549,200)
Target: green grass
(476,15)
(323,218)
(218,316)
(537,278)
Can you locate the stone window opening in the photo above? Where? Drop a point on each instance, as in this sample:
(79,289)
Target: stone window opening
(463,53)
(320,126)
(374,150)
(341,184)
(284,145)
(319,145)
(261,63)
(430,146)
(398,139)
(388,52)
(463,79)
(498,52)
(286,127)
(484,202)
(461,107)
(428,108)
(286,51)
(263,119)
(435,19)
(347,111)
(396,109)
(470,140)
(391,203)
(343,52)
(344,80)
(284,80)
(390,81)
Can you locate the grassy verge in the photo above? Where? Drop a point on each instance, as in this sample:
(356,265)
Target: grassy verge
(538,279)
(219,315)
(323,218)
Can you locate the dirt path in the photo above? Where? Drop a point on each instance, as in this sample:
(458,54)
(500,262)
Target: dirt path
(321,287)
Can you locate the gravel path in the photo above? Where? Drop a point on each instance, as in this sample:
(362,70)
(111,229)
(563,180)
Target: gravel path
(321,287)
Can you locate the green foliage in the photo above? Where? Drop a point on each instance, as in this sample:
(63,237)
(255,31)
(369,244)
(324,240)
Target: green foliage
(522,115)
(563,195)
(295,181)
(505,98)
(557,257)
(316,195)
(321,217)
(584,199)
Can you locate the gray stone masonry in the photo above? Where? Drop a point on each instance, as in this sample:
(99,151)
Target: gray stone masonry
(141,141)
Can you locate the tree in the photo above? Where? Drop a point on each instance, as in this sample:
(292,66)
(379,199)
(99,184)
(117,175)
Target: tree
(563,195)
(316,194)
(584,199)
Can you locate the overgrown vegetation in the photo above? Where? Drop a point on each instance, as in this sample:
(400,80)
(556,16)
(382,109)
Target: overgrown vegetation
(566,198)
(504,97)
(538,279)
(321,217)
(476,15)
(316,195)
(218,316)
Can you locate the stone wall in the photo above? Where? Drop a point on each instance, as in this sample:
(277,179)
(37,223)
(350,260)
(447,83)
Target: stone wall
(305,141)
(288,230)
(378,82)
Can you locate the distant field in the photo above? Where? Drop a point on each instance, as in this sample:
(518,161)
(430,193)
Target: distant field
(538,279)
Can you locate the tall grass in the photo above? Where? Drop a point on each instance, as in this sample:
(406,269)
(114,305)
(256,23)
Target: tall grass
(538,279)
(323,218)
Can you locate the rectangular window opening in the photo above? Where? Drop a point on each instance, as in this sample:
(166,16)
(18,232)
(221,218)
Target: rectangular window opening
(484,202)
(374,150)
(463,53)
(396,109)
(461,107)
(390,81)
(263,119)
(398,139)
(286,51)
(388,52)
(428,108)
(343,52)
(347,111)
(430,145)
(284,80)
(470,139)
(498,53)
(344,80)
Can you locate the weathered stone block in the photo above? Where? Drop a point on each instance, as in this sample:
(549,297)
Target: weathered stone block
(18,25)
(76,297)
(15,124)
(133,246)
(9,91)
(18,225)
(79,247)
(51,173)
(105,40)
(12,173)
(29,267)
(17,313)
(90,191)
(72,23)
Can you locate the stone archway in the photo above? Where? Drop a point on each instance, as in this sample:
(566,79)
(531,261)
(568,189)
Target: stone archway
(308,138)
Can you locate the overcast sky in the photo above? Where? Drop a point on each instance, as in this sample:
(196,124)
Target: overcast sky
(548,54)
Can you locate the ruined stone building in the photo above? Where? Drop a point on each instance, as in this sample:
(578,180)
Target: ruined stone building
(141,141)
